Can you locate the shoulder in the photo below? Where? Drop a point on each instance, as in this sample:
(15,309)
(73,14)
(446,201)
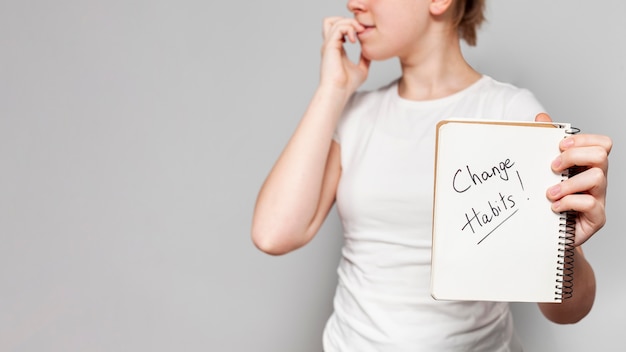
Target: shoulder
(502,90)
(367,99)
(362,108)
(511,101)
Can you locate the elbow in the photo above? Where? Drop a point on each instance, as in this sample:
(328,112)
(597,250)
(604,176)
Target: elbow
(565,319)
(269,245)
(579,305)
(272,242)
(570,311)
(569,320)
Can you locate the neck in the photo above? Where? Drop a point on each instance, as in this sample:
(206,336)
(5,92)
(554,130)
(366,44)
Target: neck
(436,70)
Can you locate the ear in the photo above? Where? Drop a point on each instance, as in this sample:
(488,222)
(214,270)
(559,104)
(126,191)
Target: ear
(439,7)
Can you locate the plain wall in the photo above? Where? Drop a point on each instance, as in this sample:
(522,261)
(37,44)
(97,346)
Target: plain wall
(134,136)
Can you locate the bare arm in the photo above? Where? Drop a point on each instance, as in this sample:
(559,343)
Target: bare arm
(300,189)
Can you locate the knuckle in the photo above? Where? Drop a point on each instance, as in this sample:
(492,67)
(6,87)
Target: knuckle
(603,141)
(599,156)
(609,144)
(588,203)
(597,175)
(601,220)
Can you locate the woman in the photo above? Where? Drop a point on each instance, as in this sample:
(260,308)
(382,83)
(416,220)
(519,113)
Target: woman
(372,152)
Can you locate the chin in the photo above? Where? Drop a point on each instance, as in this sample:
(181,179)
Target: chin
(374,55)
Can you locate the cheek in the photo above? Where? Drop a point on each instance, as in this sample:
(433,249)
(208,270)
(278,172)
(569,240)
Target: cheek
(388,44)
(378,51)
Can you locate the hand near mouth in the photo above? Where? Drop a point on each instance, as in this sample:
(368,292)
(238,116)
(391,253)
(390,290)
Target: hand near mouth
(366,27)
(337,69)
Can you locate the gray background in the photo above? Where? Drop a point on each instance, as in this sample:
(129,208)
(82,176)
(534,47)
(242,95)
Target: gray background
(134,136)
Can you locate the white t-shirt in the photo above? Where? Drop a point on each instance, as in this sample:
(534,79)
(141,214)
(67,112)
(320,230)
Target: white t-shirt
(384,199)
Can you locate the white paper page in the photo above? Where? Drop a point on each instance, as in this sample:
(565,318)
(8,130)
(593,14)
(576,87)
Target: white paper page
(495,236)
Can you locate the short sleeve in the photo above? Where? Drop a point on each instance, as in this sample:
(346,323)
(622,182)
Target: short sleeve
(524,106)
(339,129)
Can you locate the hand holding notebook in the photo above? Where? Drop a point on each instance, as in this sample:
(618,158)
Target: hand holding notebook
(495,236)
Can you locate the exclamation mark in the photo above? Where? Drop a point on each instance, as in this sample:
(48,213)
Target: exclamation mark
(520,182)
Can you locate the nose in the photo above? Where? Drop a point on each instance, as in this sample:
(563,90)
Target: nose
(356,6)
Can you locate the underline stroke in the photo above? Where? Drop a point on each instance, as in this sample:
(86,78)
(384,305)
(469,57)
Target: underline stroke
(495,228)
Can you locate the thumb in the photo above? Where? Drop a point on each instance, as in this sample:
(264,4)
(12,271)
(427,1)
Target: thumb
(543,117)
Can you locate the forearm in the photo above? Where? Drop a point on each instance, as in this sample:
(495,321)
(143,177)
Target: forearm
(289,200)
(573,309)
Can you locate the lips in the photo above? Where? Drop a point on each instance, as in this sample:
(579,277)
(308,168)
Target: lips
(367,29)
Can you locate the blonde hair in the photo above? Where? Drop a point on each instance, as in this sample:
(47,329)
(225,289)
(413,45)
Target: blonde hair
(468,16)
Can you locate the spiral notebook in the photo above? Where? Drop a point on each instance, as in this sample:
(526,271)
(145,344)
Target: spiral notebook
(495,237)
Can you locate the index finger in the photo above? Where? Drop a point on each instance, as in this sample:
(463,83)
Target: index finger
(328,23)
(587,140)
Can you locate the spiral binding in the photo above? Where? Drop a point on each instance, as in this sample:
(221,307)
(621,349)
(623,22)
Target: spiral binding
(565,274)
(565,262)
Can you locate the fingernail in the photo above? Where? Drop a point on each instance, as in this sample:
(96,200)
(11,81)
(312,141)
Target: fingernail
(556,163)
(554,190)
(556,205)
(567,142)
